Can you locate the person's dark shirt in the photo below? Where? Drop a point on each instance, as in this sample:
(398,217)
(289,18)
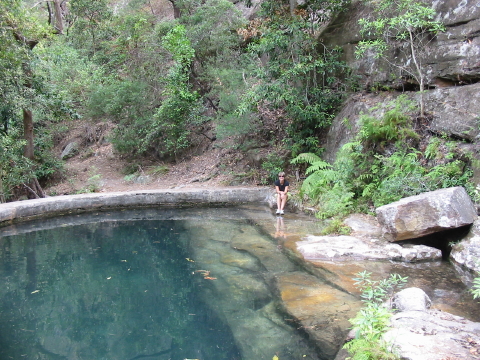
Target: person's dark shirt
(282,187)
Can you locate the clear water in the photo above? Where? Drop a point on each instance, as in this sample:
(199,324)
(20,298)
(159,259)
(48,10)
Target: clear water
(168,285)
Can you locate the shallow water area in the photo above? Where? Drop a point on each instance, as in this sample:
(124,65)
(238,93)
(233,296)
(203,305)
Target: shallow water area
(153,284)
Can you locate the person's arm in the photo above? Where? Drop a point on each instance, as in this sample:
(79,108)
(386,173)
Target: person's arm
(286,189)
(277,189)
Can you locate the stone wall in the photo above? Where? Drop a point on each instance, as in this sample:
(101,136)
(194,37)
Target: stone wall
(69,204)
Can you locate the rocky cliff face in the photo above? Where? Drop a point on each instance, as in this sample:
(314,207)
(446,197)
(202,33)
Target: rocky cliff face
(452,68)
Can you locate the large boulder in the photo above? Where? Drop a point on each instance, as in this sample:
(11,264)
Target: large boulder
(427,213)
(455,111)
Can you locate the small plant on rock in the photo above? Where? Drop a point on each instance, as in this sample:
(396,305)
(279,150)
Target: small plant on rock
(373,320)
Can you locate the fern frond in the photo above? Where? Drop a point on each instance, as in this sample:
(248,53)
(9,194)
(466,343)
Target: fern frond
(317,166)
(308,158)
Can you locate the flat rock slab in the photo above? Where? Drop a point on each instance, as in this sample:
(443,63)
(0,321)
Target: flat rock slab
(434,335)
(427,213)
(349,248)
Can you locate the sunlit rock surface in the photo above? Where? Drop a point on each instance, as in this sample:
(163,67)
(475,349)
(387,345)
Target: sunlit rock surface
(242,264)
(427,213)
(411,299)
(434,335)
(349,248)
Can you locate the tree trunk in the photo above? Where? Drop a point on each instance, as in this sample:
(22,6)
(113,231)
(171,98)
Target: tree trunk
(28,133)
(34,188)
(176,10)
(421,77)
(58,16)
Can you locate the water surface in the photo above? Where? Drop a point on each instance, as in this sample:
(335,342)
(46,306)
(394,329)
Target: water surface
(166,285)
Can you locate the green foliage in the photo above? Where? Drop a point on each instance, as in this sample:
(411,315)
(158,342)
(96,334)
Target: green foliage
(180,106)
(380,166)
(90,20)
(299,77)
(397,20)
(14,167)
(336,226)
(119,100)
(212,27)
(475,290)
(94,182)
(395,125)
(373,320)
(25,85)
(273,164)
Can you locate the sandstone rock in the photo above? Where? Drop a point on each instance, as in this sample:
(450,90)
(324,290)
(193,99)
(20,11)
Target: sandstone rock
(452,56)
(411,299)
(455,112)
(70,150)
(467,252)
(427,213)
(433,335)
(349,248)
(39,208)
(363,225)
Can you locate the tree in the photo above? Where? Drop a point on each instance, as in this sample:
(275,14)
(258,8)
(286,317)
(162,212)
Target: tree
(19,36)
(88,19)
(406,25)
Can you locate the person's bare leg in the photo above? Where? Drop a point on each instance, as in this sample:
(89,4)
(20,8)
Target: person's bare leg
(283,201)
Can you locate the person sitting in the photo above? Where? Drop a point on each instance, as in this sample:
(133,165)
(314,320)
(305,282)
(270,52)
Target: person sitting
(281,187)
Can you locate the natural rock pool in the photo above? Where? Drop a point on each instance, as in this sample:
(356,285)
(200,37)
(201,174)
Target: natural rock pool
(194,283)
(153,284)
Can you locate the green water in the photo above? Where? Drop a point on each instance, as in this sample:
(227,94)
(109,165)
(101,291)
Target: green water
(166,285)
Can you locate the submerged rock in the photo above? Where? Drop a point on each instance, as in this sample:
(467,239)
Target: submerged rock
(427,213)
(321,310)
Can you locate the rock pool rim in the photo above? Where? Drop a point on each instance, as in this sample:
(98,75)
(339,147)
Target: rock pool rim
(20,211)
